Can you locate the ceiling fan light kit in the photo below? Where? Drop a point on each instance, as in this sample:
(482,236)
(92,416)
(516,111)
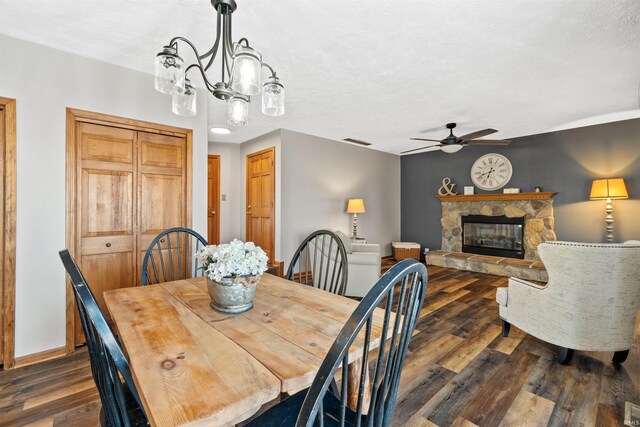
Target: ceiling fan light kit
(241,71)
(452,144)
(450,149)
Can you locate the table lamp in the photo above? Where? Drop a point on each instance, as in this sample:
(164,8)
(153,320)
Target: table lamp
(355,207)
(609,189)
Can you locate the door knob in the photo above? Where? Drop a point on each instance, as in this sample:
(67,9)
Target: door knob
(213,212)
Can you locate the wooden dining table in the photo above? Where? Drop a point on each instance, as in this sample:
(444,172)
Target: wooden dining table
(194,365)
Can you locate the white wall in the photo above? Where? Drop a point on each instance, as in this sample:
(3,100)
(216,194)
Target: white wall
(231,219)
(44,82)
(320,175)
(272,139)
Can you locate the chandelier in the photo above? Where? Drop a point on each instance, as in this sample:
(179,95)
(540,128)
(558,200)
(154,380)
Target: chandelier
(241,71)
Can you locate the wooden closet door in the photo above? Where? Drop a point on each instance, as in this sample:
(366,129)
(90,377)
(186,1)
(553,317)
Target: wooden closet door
(162,197)
(260,226)
(106,229)
(2,237)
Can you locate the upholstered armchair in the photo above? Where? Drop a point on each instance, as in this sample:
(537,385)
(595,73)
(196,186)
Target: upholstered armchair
(364,263)
(590,302)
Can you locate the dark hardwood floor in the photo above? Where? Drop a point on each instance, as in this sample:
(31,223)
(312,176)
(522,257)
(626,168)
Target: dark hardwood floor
(460,371)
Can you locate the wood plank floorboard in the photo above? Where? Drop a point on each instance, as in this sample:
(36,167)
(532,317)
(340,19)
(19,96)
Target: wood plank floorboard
(459,371)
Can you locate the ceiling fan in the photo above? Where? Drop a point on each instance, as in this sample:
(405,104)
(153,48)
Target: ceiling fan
(453,143)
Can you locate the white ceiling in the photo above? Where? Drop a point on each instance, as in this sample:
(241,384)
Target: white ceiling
(383,71)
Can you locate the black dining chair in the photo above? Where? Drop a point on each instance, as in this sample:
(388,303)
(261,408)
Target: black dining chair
(320,261)
(170,256)
(121,405)
(401,290)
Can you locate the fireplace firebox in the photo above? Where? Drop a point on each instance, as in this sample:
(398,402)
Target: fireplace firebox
(493,235)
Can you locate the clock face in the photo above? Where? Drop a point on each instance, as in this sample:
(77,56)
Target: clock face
(491,171)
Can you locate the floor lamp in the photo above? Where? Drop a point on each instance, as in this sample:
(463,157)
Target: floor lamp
(355,207)
(609,189)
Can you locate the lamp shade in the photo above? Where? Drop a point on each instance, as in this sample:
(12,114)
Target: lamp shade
(355,206)
(609,188)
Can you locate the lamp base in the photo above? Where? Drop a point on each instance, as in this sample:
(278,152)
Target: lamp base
(355,226)
(223,6)
(609,220)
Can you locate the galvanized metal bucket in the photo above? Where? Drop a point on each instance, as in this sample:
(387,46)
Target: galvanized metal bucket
(233,294)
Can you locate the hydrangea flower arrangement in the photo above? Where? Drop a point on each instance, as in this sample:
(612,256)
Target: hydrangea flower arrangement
(232,259)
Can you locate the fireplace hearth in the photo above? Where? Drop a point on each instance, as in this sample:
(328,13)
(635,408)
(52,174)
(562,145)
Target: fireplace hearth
(493,235)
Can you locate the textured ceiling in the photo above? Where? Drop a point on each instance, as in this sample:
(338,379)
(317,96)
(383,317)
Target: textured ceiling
(385,71)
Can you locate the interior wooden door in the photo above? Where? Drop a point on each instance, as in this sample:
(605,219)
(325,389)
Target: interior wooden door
(7,230)
(163,188)
(260,226)
(213,195)
(106,183)
(2,208)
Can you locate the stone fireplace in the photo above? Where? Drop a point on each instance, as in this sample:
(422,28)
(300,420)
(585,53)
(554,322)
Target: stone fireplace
(502,244)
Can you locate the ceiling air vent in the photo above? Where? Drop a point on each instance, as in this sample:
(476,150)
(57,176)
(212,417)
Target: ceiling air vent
(357,141)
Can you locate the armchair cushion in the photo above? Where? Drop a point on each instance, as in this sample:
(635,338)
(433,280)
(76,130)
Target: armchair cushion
(502,296)
(364,258)
(365,247)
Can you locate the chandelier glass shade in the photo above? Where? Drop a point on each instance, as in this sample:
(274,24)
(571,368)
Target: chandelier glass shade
(240,73)
(238,110)
(272,97)
(169,71)
(183,101)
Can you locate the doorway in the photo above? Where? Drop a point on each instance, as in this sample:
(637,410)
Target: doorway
(261,194)
(7,229)
(213,196)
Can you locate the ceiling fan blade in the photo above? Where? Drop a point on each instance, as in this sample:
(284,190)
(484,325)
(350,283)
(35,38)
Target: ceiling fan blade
(425,139)
(421,148)
(434,129)
(489,142)
(477,134)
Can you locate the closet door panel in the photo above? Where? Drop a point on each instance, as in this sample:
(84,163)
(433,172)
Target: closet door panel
(162,190)
(106,193)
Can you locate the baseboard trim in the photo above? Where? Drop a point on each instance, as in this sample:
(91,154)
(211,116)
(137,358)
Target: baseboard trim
(41,356)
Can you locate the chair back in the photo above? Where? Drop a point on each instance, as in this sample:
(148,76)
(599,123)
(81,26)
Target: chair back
(401,291)
(108,362)
(170,256)
(320,261)
(596,291)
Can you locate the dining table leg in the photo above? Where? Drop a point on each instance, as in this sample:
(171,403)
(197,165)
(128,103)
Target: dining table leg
(353,387)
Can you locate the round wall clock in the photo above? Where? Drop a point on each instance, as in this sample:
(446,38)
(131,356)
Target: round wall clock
(491,171)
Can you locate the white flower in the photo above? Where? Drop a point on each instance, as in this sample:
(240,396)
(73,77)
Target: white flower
(232,259)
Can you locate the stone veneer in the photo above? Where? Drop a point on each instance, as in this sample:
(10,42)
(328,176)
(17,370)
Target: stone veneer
(537,213)
(537,210)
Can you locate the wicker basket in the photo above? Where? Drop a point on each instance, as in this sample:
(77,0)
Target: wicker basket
(404,250)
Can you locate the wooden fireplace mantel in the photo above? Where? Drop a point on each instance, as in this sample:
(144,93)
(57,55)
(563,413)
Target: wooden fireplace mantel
(498,196)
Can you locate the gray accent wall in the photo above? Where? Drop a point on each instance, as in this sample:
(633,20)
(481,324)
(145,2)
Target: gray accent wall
(565,162)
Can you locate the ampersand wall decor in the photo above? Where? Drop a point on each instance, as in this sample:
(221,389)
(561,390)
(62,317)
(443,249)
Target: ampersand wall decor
(447,188)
